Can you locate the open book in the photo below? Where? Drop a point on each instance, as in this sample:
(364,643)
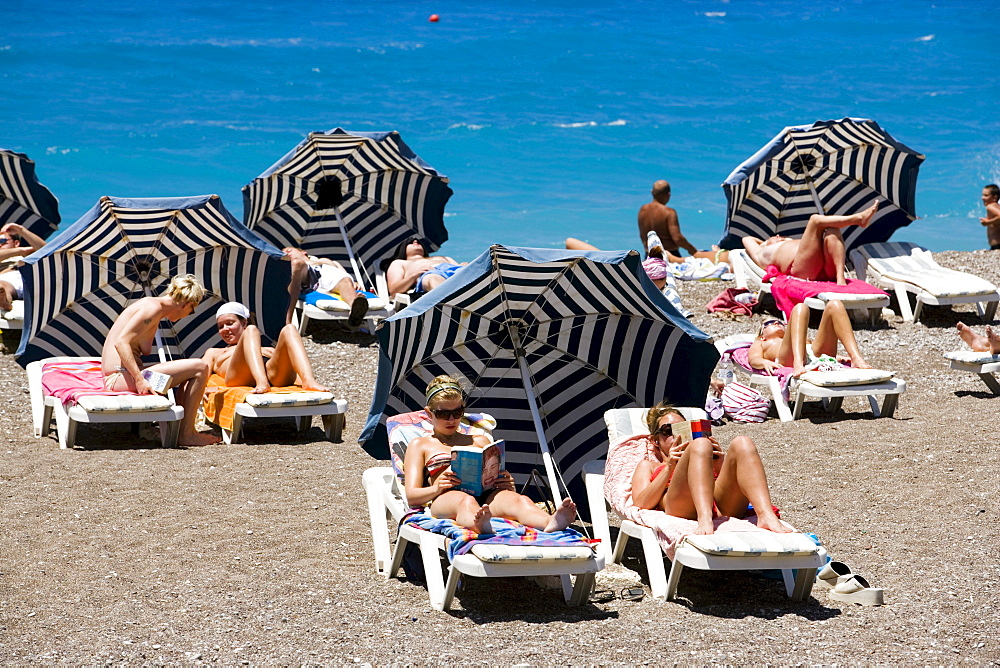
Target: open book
(689,430)
(478,467)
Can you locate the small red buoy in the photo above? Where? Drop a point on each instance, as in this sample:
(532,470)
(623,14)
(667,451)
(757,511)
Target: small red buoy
(434,18)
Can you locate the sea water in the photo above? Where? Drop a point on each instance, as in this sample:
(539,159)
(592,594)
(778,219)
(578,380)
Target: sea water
(552,119)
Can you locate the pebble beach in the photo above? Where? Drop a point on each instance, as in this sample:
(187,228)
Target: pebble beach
(123,552)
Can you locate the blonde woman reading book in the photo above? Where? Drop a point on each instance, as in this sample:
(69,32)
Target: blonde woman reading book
(429,480)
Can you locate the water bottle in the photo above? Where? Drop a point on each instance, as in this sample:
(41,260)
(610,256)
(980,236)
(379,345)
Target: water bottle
(726,371)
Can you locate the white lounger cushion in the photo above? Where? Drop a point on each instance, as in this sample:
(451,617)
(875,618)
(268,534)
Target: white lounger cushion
(16,311)
(910,263)
(527,553)
(846,377)
(374,304)
(288,399)
(754,543)
(972,357)
(124,403)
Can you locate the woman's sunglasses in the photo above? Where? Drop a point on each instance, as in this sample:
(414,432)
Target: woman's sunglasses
(449,415)
(664,430)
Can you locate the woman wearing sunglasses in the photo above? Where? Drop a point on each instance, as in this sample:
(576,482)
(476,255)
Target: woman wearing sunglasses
(429,480)
(777,345)
(696,480)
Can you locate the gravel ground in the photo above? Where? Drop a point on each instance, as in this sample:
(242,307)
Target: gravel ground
(260,553)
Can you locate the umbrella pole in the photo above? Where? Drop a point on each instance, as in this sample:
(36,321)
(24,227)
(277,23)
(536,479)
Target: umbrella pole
(350,251)
(536,418)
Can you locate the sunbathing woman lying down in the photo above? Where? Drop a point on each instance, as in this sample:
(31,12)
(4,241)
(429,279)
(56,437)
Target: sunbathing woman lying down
(698,481)
(777,346)
(429,479)
(244,362)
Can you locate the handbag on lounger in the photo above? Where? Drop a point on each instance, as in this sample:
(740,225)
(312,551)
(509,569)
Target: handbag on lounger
(745,404)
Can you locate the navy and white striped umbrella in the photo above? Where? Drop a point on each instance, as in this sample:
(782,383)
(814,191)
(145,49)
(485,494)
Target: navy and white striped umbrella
(23,200)
(546,341)
(339,194)
(124,249)
(832,167)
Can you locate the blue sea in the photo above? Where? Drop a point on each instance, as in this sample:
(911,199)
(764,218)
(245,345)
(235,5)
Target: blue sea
(552,119)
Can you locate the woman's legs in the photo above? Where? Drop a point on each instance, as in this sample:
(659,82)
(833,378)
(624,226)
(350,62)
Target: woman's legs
(690,494)
(835,327)
(462,507)
(792,351)
(522,509)
(289,360)
(246,366)
(742,480)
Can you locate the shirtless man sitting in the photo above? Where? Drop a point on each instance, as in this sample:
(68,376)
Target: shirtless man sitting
(657,217)
(131,337)
(17,240)
(818,256)
(413,269)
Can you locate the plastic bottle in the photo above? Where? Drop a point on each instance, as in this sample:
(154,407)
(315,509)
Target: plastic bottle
(726,371)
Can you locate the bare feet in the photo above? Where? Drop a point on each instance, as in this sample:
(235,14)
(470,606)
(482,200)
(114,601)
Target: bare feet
(261,388)
(975,341)
(314,387)
(771,522)
(798,371)
(859,362)
(563,517)
(994,339)
(705,527)
(197,439)
(866,215)
(481,520)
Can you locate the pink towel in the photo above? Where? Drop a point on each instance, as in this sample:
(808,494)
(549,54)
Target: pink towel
(68,381)
(623,456)
(784,373)
(789,291)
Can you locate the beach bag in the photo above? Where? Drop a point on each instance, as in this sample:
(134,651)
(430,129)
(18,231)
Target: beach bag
(744,404)
(738,301)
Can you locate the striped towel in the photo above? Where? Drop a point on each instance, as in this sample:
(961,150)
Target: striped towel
(505,532)
(68,381)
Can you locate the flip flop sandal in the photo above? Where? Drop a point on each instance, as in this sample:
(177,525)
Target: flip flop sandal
(834,573)
(856,590)
(359,309)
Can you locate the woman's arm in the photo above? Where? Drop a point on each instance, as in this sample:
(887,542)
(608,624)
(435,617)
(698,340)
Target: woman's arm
(413,474)
(757,359)
(648,494)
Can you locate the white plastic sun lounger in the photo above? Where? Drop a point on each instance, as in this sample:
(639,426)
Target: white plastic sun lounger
(386,498)
(982,364)
(97,409)
(908,268)
(720,551)
(301,406)
(829,387)
(14,318)
(379,308)
(750,276)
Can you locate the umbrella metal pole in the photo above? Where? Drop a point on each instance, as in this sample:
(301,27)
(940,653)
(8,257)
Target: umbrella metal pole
(536,418)
(350,251)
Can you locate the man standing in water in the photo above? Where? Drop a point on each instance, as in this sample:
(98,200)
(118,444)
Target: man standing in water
(657,217)
(131,337)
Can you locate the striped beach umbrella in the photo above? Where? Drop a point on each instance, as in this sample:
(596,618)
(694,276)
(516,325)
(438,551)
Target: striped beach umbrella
(23,200)
(832,167)
(350,196)
(124,249)
(545,341)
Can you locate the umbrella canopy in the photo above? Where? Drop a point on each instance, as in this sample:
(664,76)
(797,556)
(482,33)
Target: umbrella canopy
(546,341)
(832,167)
(23,200)
(339,194)
(124,249)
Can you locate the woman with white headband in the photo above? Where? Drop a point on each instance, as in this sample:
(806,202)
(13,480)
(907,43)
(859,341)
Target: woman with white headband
(244,362)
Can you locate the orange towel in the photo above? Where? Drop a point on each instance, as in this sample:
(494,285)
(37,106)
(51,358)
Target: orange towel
(220,400)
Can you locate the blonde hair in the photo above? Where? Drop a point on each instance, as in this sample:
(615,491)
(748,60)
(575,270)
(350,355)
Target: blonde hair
(443,388)
(657,412)
(186,289)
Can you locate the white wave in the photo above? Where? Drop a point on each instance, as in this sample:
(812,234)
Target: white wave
(583,124)
(619,122)
(450,215)
(52,150)
(925,38)
(714,14)
(4,47)
(467,126)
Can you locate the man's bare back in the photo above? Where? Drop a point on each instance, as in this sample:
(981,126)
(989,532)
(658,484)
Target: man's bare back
(140,320)
(657,217)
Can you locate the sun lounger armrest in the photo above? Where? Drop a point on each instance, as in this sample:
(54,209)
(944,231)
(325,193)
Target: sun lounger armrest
(593,480)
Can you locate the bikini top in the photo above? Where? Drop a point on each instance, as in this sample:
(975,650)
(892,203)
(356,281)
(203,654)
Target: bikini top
(437,463)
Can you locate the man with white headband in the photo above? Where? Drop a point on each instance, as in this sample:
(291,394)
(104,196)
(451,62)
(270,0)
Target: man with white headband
(244,362)
(131,337)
